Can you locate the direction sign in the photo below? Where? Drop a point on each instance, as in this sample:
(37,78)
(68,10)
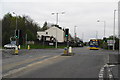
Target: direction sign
(110,42)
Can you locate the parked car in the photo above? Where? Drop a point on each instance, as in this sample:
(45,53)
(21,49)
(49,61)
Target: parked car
(10,46)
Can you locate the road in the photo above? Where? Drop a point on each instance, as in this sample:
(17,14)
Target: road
(48,63)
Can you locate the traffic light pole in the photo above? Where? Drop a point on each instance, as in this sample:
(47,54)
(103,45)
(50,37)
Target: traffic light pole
(56,29)
(17,33)
(67,43)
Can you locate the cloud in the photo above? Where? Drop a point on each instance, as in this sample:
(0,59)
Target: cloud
(81,14)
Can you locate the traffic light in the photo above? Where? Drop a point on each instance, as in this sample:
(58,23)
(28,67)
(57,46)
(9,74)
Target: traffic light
(104,39)
(66,32)
(16,33)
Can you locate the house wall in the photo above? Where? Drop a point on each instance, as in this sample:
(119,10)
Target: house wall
(55,32)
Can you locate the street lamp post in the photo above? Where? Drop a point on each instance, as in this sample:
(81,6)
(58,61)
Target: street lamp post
(75,32)
(16,28)
(104,25)
(57,24)
(119,26)
(16,19)
(96,34)
(114,32)
(82,36)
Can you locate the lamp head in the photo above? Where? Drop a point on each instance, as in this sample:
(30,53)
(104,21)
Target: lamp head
(63,12)
(52,13)
(98,20)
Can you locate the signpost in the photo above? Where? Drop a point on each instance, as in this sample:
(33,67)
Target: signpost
(110,43)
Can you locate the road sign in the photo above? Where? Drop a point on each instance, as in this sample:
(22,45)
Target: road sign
(110,42)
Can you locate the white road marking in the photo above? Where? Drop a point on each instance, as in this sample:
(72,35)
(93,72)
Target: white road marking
(112,65)
(24,68)
(101,73)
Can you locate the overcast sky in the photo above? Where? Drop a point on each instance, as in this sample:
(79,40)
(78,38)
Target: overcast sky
(81,13)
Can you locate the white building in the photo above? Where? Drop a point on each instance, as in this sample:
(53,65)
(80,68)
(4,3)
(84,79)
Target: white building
(54,32)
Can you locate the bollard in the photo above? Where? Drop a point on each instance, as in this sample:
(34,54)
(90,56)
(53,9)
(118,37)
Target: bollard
(16,50)
(19,47)
(70,49)
(28,47)
(65,50)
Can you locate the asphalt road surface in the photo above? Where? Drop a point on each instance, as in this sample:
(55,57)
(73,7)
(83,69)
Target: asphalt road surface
(48,63)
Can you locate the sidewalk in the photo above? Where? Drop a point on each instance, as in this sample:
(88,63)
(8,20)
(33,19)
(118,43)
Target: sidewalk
(115,70)
(114,62)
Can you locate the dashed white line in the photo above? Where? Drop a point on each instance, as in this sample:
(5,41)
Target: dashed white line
(23,68)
